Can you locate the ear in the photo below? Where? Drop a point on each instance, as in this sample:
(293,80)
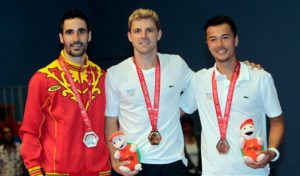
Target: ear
(61,38)
(129,36)
(159,35)
(236,41)
(90,36)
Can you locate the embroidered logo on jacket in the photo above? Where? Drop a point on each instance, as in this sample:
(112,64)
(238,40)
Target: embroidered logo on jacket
(54,88)
(55,72)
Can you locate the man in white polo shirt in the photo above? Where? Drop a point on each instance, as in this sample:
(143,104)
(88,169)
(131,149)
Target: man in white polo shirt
(143,94)
(226,95)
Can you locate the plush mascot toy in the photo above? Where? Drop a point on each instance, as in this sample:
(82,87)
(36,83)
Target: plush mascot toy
(126,152)
(250,145)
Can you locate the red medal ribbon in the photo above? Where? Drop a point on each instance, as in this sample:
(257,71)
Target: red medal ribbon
(69,78)
(223,122)
(153,112)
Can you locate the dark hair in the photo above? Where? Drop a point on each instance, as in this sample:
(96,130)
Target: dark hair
(74,13)
(218,20)
(7,126)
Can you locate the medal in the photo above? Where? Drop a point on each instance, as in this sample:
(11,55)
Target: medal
(154,137)
(90,139)
(222,145)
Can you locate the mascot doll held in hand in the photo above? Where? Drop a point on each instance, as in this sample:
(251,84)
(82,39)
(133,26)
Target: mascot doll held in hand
(250,145)
(126,152)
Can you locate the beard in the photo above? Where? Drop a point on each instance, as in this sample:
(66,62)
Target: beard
(76,52)
(223,60)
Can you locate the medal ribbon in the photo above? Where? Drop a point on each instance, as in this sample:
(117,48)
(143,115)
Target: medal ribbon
(223,122)
(69,78)
(153,112)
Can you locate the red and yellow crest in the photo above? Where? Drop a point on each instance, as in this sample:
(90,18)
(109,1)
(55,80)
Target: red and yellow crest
(80,77)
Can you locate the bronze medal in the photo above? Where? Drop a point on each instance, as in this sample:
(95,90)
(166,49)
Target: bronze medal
(154,137)
(223,146)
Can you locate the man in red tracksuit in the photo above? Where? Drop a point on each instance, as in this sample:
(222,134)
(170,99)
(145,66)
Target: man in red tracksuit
(55,125)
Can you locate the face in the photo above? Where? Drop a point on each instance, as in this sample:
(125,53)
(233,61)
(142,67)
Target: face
(221,42)
(119,142)
(187,128)
(248,131)
(144,36)
(75,37)
(7,134)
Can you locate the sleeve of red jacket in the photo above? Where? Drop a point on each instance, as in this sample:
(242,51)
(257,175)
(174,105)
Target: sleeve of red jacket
(31,128)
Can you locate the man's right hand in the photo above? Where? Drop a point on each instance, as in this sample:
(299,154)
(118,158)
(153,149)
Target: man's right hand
(116,166)
(111,126)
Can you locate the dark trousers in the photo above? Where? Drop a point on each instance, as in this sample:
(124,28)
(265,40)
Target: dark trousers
(172,169)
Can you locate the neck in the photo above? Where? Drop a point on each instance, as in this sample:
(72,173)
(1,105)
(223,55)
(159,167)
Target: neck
(80,60)
(145,62)
(226,68)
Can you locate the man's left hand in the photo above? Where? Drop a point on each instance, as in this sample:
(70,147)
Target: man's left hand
(253,65)
(269,155)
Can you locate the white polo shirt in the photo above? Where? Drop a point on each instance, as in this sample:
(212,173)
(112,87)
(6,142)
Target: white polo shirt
(254,97)
(125,99)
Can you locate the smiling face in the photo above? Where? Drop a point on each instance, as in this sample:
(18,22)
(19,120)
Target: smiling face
(221,42)
(144,36)
(75,37)
(119,141)
(248,131)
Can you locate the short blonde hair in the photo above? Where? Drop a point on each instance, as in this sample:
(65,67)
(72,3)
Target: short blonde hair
(143,14)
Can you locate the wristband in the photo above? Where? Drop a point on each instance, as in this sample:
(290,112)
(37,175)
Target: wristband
(276,153)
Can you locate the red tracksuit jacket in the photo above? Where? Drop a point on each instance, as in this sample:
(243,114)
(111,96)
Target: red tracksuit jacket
(53,129)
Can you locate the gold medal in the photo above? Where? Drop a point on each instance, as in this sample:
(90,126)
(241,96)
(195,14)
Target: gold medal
(223,146)
(154,137)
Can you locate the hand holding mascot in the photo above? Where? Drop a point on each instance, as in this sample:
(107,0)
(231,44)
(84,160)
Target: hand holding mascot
(126,152)
(250,145)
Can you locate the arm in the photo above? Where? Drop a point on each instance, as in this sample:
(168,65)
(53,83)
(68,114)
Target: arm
(182,113)
(275,139)
(31,129)
(111,126)
(187,102)
(187,74)
(276,131)
(271,106)
(111,119)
